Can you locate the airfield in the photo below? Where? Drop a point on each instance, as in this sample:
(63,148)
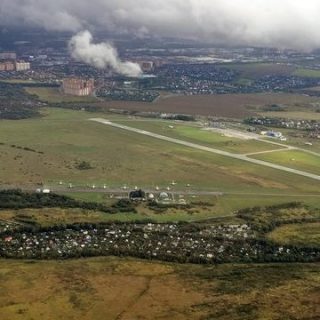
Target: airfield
(217,172)
(229,171)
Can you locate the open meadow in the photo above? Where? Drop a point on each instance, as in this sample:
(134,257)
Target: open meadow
(113,288)
(303,234)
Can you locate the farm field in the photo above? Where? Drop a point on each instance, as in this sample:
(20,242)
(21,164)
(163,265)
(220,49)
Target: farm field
(294,159)
(304,234)
(229,105)
(53,95)
(92,289)
(63,138)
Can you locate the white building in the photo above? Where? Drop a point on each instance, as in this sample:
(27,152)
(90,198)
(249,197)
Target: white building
(22,66)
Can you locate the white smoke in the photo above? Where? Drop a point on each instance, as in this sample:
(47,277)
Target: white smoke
(101,55)
(275,23)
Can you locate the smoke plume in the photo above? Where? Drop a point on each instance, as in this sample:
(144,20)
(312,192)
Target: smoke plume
(273,23)
(101,55)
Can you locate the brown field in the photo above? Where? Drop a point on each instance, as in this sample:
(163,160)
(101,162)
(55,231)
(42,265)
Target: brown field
(113,288)
(229,105)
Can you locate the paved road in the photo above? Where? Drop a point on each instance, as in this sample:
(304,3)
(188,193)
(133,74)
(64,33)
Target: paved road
(208,149)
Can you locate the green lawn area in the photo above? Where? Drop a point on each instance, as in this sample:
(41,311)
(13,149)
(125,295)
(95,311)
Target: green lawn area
(53,95)
(304,234)
(293,159)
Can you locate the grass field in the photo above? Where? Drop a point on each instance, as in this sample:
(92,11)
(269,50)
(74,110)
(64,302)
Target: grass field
(297,115)
(112,288)
(258,70)
(65,137)
(53,95)
(196,134)
(308,73)
(297,139)
(294,159)
(224,206)
(304,234)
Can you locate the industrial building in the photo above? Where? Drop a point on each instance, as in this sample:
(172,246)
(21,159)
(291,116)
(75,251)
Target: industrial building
(78,87)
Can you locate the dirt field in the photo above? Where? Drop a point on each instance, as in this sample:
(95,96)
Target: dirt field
(112,288)
(229,105)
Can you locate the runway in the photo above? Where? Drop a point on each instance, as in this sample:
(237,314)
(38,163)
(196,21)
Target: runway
(208,149)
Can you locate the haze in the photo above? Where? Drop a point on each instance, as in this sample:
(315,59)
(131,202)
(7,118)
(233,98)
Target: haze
(286,23)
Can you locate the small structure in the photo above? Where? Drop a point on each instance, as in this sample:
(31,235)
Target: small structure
(164,198)
(45,191)
(137,195)
(151,196)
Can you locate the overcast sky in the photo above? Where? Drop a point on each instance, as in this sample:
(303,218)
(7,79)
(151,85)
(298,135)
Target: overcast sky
(282,23)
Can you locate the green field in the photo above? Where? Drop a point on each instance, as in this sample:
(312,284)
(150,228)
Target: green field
(53,95)
(258,70)
(294,159)
(194,133)
(61,139)
(93,288)
(304,234)
(297,140)
(308,73)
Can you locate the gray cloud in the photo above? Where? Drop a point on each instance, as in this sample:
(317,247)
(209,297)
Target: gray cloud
(101,55)
(281,23)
